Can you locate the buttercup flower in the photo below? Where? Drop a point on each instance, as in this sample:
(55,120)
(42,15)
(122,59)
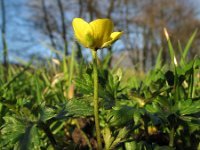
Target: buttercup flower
(96,34)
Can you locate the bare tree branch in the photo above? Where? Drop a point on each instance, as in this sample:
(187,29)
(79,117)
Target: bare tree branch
(48,27)
(64,31)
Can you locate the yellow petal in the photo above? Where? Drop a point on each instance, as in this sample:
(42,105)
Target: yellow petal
(102,29)
(116,35)
(83,32)
(113,37)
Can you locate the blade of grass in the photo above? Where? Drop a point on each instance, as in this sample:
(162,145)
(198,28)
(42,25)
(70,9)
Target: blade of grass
(72,62)
(16,76)
(159,60)
(191,83)
(38,90)
(65,67)
(71,74)
(187,47)
(180,47)
(171,49)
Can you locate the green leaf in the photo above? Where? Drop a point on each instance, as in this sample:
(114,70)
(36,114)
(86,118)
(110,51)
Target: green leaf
(79,107)
(107,136)
(29,139)
(157,113)
(46,113)
(12,130)
(130,145)
(137,117)
(85,84)
(153,108)
(112,139)
(188,107)
(121,115)
(20,134)
(123,132)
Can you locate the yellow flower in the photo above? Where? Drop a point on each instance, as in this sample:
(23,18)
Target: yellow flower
(152,130)
(96,34)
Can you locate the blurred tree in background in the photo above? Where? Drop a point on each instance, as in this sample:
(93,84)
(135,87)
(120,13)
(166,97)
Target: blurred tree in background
(142,22)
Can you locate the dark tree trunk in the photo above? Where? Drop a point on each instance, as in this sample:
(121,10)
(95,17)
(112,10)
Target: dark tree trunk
(64,31)
(3,32)
(48,26)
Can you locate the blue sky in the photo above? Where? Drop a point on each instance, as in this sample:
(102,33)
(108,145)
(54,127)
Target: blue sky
(22,39)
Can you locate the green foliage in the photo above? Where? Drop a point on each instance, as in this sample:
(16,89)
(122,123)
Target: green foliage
(79,108)
(20,134)
(159,110)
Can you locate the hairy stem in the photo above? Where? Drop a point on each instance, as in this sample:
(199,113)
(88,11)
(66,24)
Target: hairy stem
(171,137)
(96,103)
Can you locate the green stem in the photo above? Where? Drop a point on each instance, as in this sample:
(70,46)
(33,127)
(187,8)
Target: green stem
(96,103)
(171,137)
